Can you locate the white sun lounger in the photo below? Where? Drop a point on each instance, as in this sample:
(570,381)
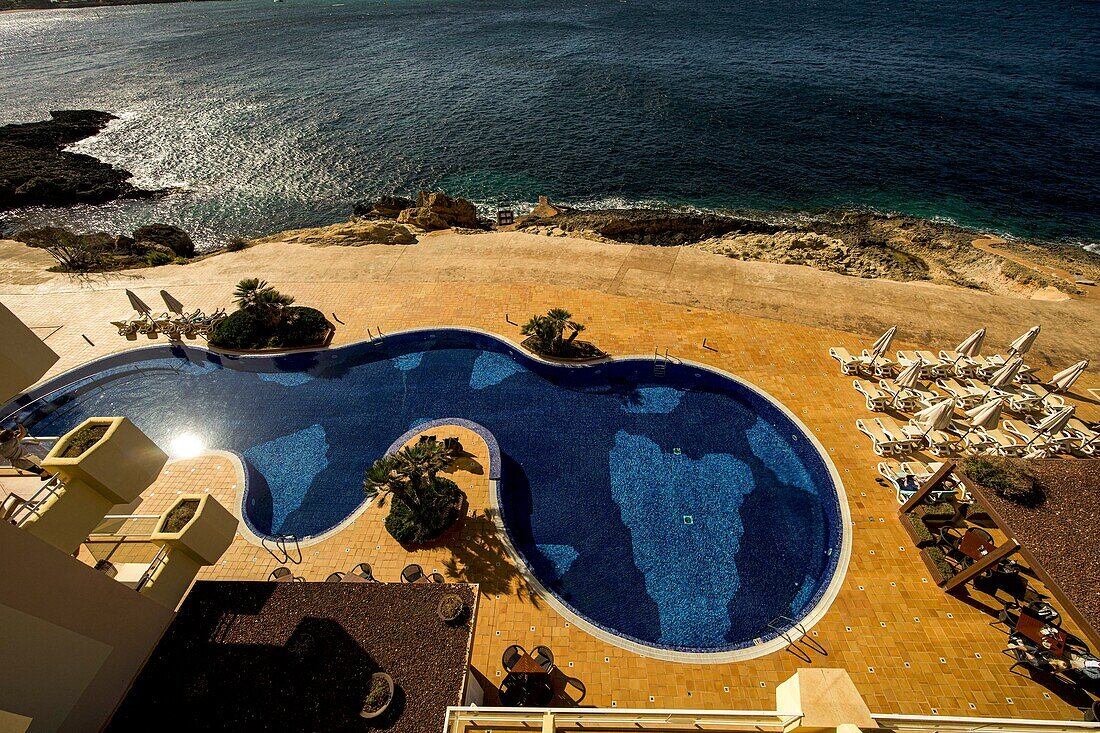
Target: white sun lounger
(876,399)
(931,365)
(898,474)
(1048,443)
(909,399)
(994,441)
(966,392)
(962,366)
(1087,440)
(849,363)
(883,441)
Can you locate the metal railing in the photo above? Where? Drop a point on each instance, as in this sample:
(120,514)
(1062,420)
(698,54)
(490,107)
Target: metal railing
(461,719)
(160,559)
(122,526)
(34,506)
(951,724)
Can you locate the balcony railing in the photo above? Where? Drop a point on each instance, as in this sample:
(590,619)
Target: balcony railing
(589,720)
(125,526)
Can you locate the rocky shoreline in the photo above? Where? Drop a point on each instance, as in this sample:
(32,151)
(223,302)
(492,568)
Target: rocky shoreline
(36,170)
(859,244)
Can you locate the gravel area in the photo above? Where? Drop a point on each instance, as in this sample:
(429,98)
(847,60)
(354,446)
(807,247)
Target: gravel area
(249,656)
(1063,532)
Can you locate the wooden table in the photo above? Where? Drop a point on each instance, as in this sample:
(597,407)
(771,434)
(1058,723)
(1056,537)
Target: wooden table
(353,578)
(288,578)
(976,545)
(527,665)
(528,684)
(1031,627)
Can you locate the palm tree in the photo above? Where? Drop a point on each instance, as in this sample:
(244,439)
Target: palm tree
(409,474)
(248,291)
(549,330)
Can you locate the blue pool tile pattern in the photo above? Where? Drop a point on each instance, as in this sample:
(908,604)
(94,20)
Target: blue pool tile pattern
(683,512)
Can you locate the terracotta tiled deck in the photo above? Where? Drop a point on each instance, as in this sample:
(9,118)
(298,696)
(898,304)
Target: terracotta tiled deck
(908,646)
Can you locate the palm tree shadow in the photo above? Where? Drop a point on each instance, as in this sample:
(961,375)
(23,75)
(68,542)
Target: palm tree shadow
(478,556)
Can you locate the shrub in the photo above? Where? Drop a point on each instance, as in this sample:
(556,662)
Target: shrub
(156,258)
(940,562)
(84,439)
(180,516)
(1007,479)
(236,244)
(942,510)
(246,330)
(440,510)
(546,335)
(923,533)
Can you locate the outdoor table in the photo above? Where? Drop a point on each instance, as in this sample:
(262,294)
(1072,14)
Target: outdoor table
(353,578)
(1053,642)
(975,545)
(527,683)
(288,578)
(526,665)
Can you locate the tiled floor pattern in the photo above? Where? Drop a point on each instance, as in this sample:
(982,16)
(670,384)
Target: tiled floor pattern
(908,647)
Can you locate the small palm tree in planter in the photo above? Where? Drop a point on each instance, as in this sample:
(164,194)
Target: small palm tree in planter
(255,295)
(423,503)
(379,696)
(547,335)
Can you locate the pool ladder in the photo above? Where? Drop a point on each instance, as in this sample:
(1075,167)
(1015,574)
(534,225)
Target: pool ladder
(376,339)
(660,363)
(286,547)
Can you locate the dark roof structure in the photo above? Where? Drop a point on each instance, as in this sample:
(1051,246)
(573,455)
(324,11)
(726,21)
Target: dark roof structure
(256,656)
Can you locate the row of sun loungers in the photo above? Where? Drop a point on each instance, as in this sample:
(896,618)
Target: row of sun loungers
(175,323)
(933,386)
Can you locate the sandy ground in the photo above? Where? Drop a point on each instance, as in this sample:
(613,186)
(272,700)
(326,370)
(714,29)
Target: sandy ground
(924,312)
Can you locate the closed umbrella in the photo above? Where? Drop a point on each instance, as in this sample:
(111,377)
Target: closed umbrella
(936,417)
(1022,344)
(910,375)
(986,415)
(137,303)
(169,300)
(1055,423)
(883,343)
(1006,374)
(1064,379)
(972,344)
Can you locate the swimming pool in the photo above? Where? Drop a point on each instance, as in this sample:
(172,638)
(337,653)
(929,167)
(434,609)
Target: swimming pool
(681,513)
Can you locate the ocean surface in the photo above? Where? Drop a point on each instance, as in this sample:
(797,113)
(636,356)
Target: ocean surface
(271,115)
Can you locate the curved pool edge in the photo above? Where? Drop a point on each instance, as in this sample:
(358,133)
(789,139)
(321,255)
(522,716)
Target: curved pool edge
(767,644)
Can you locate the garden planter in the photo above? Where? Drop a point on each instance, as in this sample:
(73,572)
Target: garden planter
(938,576)
(205,536)
(914,533)
(119,466)
(372,709)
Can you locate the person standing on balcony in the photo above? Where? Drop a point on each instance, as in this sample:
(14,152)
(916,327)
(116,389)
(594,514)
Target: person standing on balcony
(12,450)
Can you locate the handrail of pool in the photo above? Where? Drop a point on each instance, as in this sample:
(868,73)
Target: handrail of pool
(460,719)
(609,719)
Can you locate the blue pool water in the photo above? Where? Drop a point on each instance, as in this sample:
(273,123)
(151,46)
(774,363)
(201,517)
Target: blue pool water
(683,512)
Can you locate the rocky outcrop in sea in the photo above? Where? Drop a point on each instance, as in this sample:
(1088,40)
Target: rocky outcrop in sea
(35,170)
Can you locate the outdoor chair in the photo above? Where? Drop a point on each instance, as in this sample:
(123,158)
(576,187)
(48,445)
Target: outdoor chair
(437,578)
(849,363)
(544,658)
(280,572)
(335,577)
(876,399)
(363,570)
(574,690)
(412,573)
(511,655)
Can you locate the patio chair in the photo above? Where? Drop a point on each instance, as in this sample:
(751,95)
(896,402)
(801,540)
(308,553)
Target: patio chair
(436,578)
(966,392)
(363,570)
(574,690)
(544,658)
(909,399)
(412,573)
(849,364)
(876,399)
(335,577)
(511,655)
(280,572)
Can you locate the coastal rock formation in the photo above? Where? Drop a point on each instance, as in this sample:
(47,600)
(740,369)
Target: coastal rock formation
(386,207)
(855,243)
(348,234)
(177,241)
(36,171)
(437,210)
(101,252)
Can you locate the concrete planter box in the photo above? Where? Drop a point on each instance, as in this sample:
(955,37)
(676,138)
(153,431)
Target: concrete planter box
(205,537)
(121,465)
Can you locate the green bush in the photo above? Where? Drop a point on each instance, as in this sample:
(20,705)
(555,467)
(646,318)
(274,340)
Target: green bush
(923,533)
(246,330)
(939,560)
(1006,478)
(156,258)
(236,244)
(942,510)
(438,513)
